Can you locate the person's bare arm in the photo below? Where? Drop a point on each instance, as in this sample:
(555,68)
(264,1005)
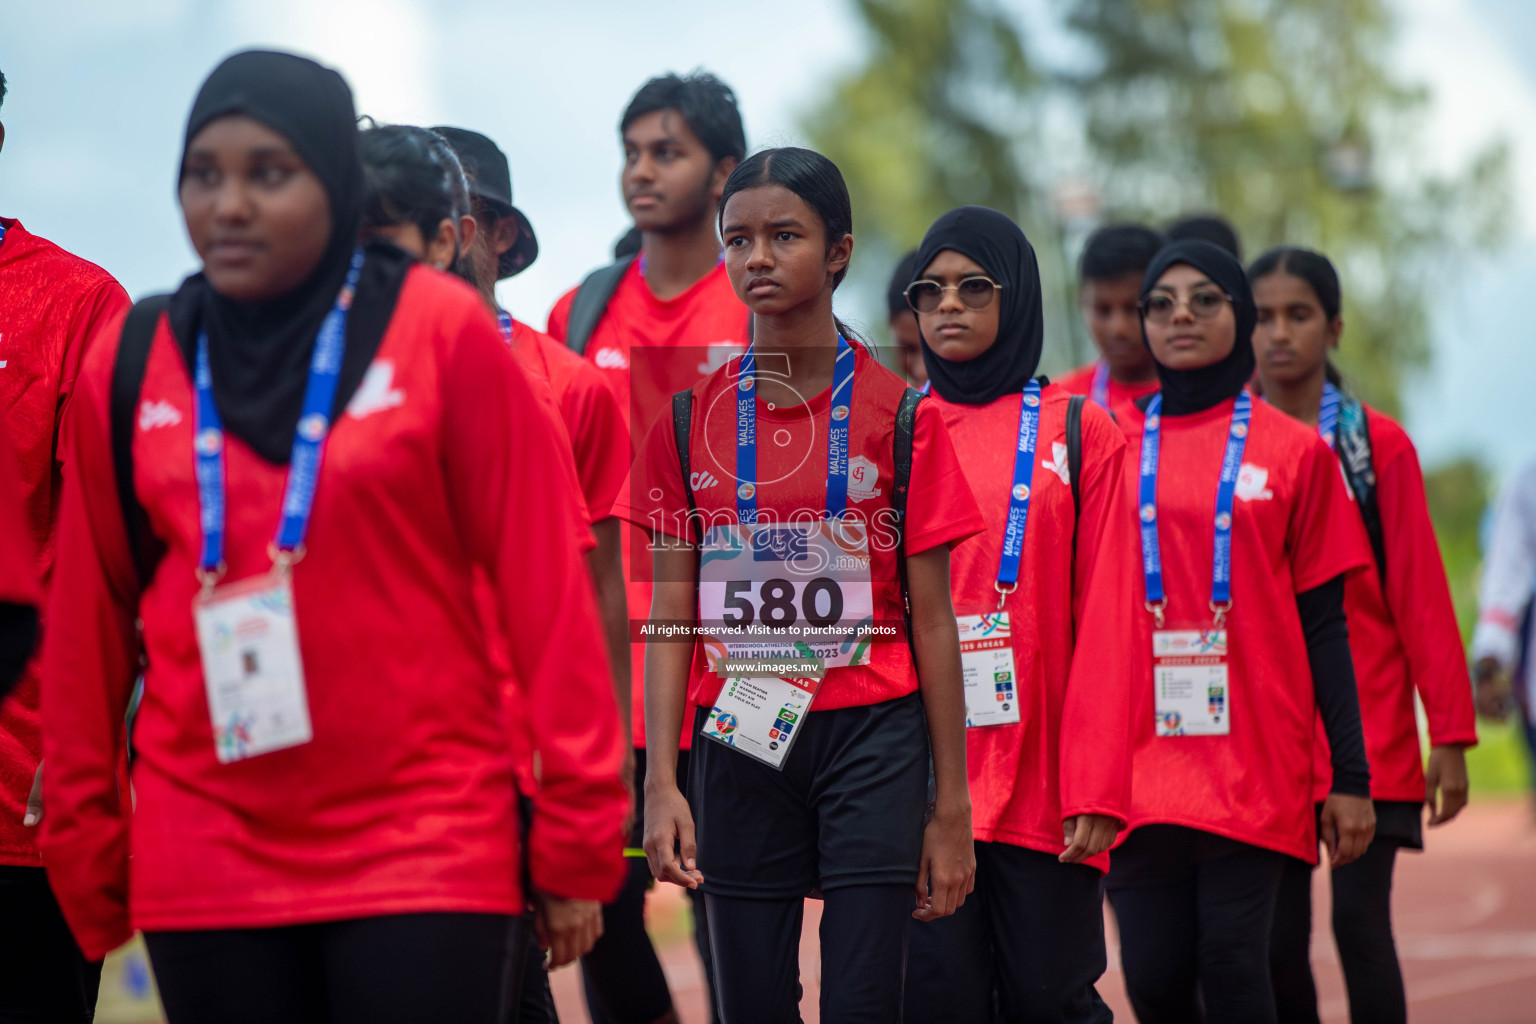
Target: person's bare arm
(948,871)
(669,837)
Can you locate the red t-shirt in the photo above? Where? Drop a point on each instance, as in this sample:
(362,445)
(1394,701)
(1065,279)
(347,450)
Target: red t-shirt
(1080,382)
(18,562)
(403,802)
(648,349)
(1069,753)
(940,509)
(51,304)
(1404,637)
(1294,528)
(592,416)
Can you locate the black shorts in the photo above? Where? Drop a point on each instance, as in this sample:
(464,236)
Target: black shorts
(846,810)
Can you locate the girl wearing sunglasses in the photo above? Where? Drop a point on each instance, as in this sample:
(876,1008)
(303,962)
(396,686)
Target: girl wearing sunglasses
(1402,631)
(1237,642)
(1047,748)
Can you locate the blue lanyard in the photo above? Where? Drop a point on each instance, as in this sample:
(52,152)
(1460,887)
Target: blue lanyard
(505,320)
(837,434)
(1226,491)
(308,439)
(1100,390)
(927,386)
(1328,414)
(1018,497)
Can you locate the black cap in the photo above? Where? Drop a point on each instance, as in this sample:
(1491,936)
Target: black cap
(490,178)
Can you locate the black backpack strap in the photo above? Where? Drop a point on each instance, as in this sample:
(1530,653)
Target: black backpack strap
(1075,448)
(1353,445)
(591,302)
(682,433)
(906,422)
(127,381)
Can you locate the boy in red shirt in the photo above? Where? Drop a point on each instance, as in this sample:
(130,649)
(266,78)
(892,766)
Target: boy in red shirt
(51,303)
(1110,286)
(653,325)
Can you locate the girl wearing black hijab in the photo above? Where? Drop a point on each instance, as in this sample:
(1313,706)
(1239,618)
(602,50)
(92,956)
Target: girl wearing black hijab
(1047,748)
(323,824)
(1236,643)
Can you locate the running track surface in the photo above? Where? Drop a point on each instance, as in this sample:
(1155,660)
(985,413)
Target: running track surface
(1466,932)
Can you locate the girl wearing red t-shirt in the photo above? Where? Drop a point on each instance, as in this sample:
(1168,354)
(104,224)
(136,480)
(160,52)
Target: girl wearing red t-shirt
(1238,644)
(1048,755)
(792,473)
(1402,631)
(323,818)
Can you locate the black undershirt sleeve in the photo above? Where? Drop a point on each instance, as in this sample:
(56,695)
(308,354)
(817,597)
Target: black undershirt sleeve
(1333,679)
(18,637)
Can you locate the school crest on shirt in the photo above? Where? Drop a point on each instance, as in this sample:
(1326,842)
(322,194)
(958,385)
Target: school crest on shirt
(1252,483)
(863,476)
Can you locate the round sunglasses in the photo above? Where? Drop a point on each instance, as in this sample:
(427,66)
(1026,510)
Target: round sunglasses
(975,292)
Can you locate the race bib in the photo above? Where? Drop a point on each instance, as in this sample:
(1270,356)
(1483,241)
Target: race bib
(1191,683)
(800,590)
(761,716)
(987,669)
(249,642)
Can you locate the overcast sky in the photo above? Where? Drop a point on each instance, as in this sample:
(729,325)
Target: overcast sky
(99,90)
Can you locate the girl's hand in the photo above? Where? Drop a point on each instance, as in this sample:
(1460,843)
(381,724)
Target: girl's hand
(1447,773)
(948,870)
(568,929)
(1087,835)
(1347,826)
(669,842)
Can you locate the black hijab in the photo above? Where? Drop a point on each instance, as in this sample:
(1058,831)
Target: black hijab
(258,352)
(1187,391)
(999,246)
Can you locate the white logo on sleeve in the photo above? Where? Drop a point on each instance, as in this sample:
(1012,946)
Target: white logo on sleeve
(377,392)
(1058,464)
(701,480)
(1251,481)
(610,359)
(158,414)
(863,475)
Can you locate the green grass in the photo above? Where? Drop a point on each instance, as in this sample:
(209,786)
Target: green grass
(1498,764)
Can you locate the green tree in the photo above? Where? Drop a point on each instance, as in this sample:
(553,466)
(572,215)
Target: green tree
(1281,114)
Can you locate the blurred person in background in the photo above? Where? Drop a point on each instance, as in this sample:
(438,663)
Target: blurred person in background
(653,324)
(1109,291)
(324,817)
(1207,227)
(903,322)
(416,194)
(51,305)
(1503,668)
(591,419)
(1402,635)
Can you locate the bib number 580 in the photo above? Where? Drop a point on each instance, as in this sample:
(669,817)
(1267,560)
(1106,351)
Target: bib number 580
(777,606)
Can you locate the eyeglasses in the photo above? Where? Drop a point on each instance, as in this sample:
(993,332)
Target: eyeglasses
(974,292)
(1204,304)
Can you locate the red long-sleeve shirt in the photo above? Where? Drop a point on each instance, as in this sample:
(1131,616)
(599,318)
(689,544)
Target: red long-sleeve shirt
(403,801)
(1403,636)
(51,303)
(1070,751)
